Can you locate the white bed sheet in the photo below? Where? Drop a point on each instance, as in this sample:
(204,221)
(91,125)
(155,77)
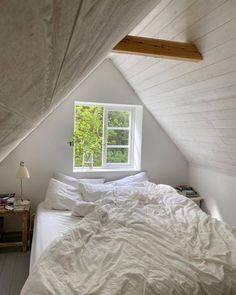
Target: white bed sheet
(48,226)
(151,241)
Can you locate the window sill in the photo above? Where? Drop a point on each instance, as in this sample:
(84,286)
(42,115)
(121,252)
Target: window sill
(86,170)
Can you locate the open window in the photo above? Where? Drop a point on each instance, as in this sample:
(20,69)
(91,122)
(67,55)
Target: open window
(107,137)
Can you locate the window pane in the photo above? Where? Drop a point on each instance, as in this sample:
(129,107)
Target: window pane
(118,118)
(118,137)
(117,155)
(88,136)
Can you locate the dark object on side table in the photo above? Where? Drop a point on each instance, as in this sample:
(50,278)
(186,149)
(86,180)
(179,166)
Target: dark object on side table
(187,191)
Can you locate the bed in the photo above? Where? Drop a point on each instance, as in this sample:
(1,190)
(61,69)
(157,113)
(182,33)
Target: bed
(138,240)
(49,225)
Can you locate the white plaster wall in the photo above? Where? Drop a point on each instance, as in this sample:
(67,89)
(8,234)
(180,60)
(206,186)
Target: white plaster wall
(218,190)
(45,150)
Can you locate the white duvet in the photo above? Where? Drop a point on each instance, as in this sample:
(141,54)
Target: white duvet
(150,241)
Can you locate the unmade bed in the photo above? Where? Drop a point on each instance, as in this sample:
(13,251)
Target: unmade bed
(137,240)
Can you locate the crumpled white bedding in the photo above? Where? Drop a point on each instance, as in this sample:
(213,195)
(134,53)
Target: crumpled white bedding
(152,242)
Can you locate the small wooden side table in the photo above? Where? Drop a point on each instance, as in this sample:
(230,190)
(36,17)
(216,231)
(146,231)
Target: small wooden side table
(24,212)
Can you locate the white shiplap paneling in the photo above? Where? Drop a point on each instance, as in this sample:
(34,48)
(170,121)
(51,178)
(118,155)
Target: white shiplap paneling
(194,102)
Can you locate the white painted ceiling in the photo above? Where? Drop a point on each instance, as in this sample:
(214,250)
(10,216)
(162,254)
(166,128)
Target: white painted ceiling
(194,102)
(47,47)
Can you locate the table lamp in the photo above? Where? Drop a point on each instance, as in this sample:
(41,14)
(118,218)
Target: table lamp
(22,173)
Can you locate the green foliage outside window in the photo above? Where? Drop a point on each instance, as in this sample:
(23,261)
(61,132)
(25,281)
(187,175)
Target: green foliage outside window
(117,155)
(118,119)
(88,136)
(117,137)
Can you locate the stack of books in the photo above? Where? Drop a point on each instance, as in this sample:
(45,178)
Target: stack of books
(7,200)
(187,191)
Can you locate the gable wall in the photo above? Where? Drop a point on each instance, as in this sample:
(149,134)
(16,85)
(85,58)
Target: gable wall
(45,150)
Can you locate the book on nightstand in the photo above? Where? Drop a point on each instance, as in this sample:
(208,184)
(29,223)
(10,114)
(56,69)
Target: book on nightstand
(187,191)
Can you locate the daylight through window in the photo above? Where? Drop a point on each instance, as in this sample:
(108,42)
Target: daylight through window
(105,136)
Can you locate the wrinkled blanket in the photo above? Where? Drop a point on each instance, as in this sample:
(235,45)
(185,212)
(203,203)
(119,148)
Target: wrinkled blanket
(149,241)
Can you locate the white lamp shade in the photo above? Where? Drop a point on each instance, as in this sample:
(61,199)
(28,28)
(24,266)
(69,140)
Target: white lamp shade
(22,172)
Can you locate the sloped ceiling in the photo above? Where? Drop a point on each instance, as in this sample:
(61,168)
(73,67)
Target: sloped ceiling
(194,102)
(47,48)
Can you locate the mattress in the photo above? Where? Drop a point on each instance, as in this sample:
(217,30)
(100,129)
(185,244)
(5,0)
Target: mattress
(48,226)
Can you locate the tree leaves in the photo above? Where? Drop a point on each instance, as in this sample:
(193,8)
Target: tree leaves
(88,136)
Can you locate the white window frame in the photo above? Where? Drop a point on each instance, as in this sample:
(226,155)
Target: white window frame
(135,138)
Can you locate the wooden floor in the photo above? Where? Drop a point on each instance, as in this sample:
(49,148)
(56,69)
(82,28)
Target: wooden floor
(14,269)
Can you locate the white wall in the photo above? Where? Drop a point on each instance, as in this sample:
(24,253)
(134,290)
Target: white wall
(218,190)
(46,150)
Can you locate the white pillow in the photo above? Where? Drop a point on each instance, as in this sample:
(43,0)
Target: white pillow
(61,196)
(130,180)
(82,208)
(74,181)
(94,192)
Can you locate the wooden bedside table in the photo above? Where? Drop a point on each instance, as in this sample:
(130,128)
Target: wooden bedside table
(24,212)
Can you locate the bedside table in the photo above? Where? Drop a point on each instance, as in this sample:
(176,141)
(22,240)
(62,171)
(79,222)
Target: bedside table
(24,212)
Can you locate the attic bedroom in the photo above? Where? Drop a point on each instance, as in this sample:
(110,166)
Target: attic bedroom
(118,147)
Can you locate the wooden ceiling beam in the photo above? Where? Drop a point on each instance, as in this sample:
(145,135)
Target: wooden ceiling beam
(136,45)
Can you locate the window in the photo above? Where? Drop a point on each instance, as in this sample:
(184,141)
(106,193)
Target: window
(107,137)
